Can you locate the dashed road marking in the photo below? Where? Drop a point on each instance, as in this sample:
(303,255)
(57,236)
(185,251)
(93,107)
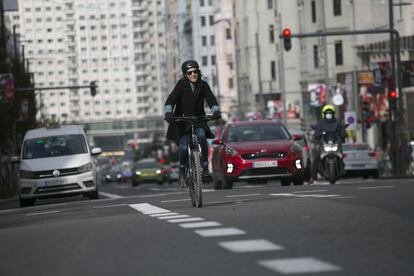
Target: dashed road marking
(219,232)
(343,197)
(229,196)
(109,206)
(244,246)
(163,214)
(305,195)
(185,220)
(310,191)
(375,187)
(200,224)
(42,213)
(174,217)
(111,196)
(299,265)
(175,200)
(148,209)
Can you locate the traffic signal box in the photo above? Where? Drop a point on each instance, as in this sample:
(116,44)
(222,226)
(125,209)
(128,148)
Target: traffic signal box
(367,115)
(287,42)
(392,100)
(92,86)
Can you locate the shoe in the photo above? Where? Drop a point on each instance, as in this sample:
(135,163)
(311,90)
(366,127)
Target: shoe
(311,181)
(206,175)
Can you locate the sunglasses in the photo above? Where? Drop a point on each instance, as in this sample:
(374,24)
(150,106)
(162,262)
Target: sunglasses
(195,72)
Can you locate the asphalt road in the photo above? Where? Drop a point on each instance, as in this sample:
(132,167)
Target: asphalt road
(355,227)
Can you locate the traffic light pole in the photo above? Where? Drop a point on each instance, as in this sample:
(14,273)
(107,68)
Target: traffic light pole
(399,113)
(26,89)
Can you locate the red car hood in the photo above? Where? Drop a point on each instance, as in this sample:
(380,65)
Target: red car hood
(270,146)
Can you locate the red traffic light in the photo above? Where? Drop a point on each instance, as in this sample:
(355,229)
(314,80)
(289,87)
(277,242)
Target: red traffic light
(287,33)
(393,94)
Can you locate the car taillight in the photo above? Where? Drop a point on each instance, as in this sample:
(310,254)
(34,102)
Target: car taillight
(307,148)
(163,171)
(374,154)
(171,170)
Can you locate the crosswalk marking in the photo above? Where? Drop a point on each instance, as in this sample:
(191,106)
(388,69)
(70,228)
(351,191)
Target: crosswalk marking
(299,265)
(200,224)
(164,214)
(218,232)
(185,220)
(244,246)
(148,209)
(174,217)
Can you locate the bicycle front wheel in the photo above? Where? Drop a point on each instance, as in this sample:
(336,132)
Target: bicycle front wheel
(196,179)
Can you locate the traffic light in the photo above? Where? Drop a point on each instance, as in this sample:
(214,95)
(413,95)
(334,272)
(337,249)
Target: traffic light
(287,43)
(93,86)
(367,115)
(392,100)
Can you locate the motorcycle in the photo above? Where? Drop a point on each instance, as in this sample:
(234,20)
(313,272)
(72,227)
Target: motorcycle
(331,165)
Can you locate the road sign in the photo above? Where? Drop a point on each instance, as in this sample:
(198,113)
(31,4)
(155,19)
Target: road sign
(350,118)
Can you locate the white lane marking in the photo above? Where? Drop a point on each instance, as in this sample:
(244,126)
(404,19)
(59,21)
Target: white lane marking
(200,224)
(218,232)
(249,186)
(42,213)
(163,214)
(184,220)
(244,246)
(157,195)
(148,209)
(299,265)
(306,195)
(243,195)
(310,191)
(282,194)
(112,196)
(343,197)
(174,217)
(175,200)
(108,206)
(375,187)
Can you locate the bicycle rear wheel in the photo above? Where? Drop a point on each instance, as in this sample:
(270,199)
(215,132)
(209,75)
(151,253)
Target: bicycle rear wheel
(196,179)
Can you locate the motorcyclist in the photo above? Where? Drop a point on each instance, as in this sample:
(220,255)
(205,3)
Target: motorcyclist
(328,124)
(187,99)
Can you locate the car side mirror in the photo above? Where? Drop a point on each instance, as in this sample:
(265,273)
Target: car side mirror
(96,151)
(217,142)
(296,137)
(15,159)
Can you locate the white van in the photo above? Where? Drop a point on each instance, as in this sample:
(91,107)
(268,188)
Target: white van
(56,161)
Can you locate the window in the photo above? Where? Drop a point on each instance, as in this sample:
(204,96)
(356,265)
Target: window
(204,60)
(271,34)
(337,7)
(211,20)
(228,33)
(213,60)
(270,4)
(313,7)
(203,21)
(315,56)
(273,69)
(201,3)
(204,40)
(339,57)
(212,40)
(231,83)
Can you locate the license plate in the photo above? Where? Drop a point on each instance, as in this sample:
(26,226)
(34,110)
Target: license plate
(264,164)
(55,182)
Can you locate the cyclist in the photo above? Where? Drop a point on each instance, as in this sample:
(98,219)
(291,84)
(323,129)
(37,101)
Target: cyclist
(328,124)
(187,99)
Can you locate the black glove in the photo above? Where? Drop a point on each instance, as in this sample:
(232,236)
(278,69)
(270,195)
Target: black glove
(216,115)
(169,117)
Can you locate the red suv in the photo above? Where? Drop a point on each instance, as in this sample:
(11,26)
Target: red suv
(253,150)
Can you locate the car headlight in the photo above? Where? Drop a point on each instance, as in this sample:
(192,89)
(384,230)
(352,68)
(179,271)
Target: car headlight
(332,147)
(107,176)
(138,173)
(158,171)
(27,174)
(295,148)
(119,175)
(85,168)
(230,151)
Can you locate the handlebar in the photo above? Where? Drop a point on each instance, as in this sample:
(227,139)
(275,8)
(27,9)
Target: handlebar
(193,118)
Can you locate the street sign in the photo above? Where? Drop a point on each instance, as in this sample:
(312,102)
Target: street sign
(350,118)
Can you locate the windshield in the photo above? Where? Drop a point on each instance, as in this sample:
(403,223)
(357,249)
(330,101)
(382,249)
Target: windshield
(147,165)
(252,133)
(53,146)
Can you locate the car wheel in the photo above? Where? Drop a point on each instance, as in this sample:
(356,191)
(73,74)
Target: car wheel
(94,194)
(376,174)
(25,202)
(285,181)
(298,179)
(227,183)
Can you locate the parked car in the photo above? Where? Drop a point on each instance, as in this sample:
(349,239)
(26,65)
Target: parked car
(256,150)
(56,161)
(302,140)
(172,172)
(148,170)
(360,159)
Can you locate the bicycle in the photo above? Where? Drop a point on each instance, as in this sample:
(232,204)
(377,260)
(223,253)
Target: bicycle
(193,169)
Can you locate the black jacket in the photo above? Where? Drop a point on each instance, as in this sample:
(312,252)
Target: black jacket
(329,126)
(185,102)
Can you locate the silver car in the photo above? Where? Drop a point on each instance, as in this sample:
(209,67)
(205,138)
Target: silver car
(56,161)
(360,159)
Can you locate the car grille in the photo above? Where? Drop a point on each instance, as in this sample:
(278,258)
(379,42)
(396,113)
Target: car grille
(60,188)
(263,171)
(252,156)
(49,173)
